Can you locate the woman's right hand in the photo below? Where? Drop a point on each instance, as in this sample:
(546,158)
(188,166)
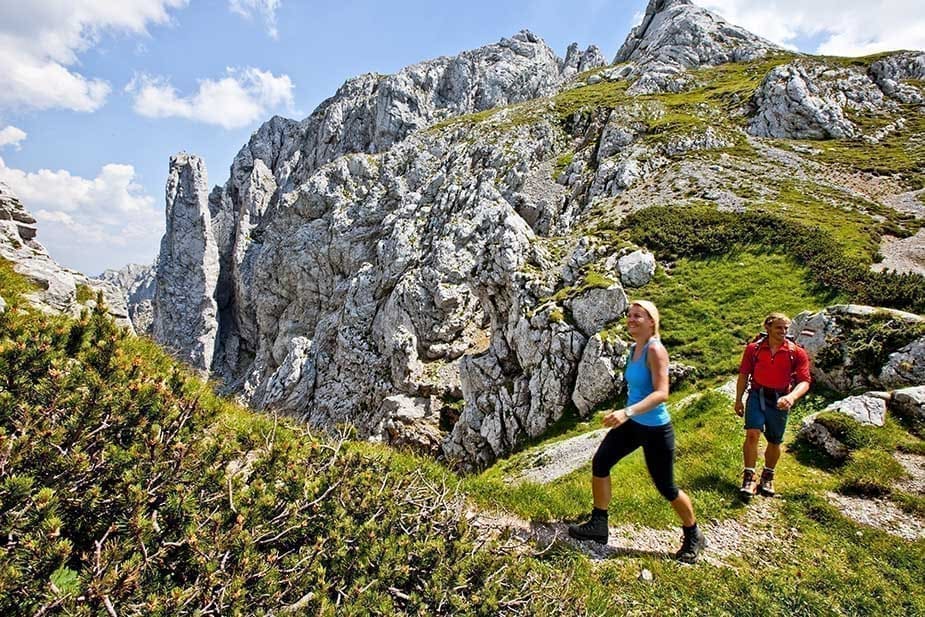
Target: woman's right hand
(615,418)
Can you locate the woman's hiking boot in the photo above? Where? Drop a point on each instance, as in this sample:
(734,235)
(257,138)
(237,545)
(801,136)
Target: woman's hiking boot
(749,485)
(766,485)
(595,528)
(692,544)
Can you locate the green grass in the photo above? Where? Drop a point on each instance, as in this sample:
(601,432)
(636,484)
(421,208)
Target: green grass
(12,284)
(824,563)
(723,303)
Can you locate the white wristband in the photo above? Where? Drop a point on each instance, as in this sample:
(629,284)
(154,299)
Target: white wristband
(628,410)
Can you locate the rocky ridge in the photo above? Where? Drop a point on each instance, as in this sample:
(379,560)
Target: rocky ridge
(390,258)
(58,289)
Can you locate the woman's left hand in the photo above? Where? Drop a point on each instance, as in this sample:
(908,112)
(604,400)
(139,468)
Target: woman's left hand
(615,418)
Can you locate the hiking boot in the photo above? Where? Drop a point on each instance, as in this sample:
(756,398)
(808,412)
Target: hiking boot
(749,485)
(692,544)
(594,528)
(766,485)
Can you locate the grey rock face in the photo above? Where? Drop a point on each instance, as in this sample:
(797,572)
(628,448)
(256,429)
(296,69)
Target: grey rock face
(600,374)
(889,74)
(806,101)
(137,284)
(59,289)
(676,35)
(596,308)
(825,336)
(185,310)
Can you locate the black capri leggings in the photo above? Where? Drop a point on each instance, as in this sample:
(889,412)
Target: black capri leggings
(657,445)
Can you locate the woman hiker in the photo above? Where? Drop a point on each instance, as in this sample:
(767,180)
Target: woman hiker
(643,422)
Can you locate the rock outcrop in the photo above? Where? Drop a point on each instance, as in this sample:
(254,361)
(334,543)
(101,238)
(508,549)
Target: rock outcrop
(185,311)
(857,348)
(810,99)
(58,289)
(676,35)
(137,284)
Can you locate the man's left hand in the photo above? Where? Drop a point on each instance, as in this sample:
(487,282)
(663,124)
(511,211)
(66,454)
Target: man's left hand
(784,403)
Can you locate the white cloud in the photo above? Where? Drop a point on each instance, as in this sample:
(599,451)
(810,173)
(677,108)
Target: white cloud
(842,27)
(11,136)
(82,219)
(41,39)
(267,8)
(240,98)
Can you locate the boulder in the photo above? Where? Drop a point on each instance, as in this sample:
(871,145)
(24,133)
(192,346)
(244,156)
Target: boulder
(595,308)
(869,409)
(906,366)
(837,341)
(412,423)
(909,403)
(637,268)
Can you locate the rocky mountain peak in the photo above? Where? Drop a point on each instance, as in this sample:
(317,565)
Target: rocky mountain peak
(675,35)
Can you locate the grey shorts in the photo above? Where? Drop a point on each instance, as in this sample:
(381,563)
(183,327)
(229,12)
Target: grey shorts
(764,415)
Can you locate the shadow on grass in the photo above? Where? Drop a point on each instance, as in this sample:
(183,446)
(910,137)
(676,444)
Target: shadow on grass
(713,482)
(811,456)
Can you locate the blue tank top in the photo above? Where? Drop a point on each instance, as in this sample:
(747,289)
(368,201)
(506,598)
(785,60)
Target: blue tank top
(639,385)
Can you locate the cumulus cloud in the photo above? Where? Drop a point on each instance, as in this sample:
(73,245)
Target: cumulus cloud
(11,136)
(236,100)
(266,8)
(841,27)
(81,219)
(41,40)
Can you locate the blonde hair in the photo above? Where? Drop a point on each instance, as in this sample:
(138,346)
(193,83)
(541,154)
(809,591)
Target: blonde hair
(651,309)
(772,317)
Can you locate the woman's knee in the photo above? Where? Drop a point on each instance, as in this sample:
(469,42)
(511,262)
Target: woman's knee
(600,466)
(668,491)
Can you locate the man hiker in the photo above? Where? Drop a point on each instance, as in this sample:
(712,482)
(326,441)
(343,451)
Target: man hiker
(776,372)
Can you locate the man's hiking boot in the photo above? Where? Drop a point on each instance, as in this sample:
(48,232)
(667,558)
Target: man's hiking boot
(594,528)
(749,485)
(766,485)
(692,544)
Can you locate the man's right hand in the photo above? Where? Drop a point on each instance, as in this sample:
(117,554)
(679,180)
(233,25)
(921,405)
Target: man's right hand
(740,409)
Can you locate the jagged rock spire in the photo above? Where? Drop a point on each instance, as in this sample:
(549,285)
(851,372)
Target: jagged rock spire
(187,269)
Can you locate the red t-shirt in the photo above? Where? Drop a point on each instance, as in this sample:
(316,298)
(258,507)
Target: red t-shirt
(776,372)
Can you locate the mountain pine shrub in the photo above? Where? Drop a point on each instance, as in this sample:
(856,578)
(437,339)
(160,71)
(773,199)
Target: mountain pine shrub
(127,487)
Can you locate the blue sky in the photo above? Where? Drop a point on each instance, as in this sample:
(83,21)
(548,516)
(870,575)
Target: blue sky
(95,95)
